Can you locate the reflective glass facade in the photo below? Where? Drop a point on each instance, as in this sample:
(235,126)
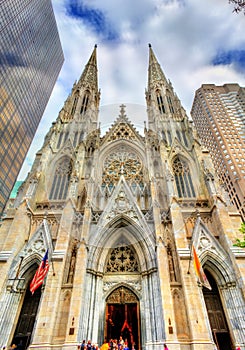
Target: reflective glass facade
(219,116)
(31,57)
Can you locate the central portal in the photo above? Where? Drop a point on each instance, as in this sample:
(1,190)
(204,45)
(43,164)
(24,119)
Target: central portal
(122,317)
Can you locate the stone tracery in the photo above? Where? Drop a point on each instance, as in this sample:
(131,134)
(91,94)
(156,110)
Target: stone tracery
(122,259)
(123,163)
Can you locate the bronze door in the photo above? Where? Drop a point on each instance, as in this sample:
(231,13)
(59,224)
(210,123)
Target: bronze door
(27,318)
(122,317)
(216,316)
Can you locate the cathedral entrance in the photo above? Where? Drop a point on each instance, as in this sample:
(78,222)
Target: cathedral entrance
(122,317)
(216,316)
(27,318)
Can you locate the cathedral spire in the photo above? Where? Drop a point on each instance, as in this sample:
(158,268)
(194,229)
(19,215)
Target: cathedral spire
(162,102)
(82,105)
(89,75)
(155,73)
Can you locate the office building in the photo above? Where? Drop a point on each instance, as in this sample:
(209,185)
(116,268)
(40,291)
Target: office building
(30,60)
(219,115)
(119,214)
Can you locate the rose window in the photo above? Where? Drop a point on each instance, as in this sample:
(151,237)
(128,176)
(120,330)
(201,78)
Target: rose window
(122,259)
(127,164)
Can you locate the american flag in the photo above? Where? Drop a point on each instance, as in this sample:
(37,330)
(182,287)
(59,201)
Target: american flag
(40,274)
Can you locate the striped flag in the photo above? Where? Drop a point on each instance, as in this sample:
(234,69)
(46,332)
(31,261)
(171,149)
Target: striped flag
(199,270)
(40,274)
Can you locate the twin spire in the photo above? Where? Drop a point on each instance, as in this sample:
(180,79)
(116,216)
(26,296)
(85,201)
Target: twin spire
(155,73)
(89,75)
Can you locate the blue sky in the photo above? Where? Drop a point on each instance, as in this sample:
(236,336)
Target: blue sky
(195,41)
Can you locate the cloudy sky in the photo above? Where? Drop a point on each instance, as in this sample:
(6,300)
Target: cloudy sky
(195,42)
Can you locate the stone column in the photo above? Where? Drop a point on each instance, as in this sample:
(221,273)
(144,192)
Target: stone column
(199,323)
(236,310)
(9,305)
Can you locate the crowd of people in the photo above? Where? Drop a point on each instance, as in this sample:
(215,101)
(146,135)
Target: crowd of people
(112,344)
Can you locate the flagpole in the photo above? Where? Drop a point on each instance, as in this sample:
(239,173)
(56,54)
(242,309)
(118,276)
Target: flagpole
(190,247)
(195,214)
(52,266)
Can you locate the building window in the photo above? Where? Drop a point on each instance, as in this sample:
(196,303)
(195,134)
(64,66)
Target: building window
(85,103)
(124,163)
(169,137)
(183,178)
(61,180)
(75,103)
(160,103)
(75,138)
(171,108)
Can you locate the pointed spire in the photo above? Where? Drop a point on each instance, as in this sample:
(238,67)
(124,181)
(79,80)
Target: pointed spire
(155,73)
(89,75)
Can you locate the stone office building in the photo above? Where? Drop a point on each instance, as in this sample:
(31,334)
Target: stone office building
(119,214)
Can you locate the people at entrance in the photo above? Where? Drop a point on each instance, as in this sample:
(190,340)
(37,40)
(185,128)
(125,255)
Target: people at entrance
(120,344)
(105,345)
(83,345)
(126,344)
(113,344)
(165,347)
(89,345)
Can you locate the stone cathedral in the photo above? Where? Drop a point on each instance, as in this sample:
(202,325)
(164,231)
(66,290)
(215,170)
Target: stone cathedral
(119,214)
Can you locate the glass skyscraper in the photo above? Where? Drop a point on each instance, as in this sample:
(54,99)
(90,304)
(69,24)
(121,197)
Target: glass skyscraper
(218,113)
(31,57)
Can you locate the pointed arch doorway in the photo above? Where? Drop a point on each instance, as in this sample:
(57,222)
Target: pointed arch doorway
(122,317)
(25,324)
(216,315)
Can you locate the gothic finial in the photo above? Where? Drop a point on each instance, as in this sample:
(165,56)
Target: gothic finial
(149,45)
(95,46)
(122,111)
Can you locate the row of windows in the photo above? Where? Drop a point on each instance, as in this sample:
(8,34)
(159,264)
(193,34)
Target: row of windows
(181,135)
(181,170)
(63,137)
(160,103)
(84,105)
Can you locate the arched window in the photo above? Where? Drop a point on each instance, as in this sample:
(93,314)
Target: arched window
(85,103)
(160,103)
(61,179)
(75,103)
(75,138)
(62,138)
(171,108)
(169,137)
(183,179)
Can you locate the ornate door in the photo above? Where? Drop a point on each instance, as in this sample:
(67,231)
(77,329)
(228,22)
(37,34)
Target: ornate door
(27,318)
(122,317)
(216,316)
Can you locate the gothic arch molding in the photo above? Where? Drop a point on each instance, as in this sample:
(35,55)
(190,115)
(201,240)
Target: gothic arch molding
(114,233)
(212,255)
(220,267)
(57,159)
(111,289)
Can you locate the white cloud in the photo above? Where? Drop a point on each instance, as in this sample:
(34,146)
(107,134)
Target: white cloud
(185,36)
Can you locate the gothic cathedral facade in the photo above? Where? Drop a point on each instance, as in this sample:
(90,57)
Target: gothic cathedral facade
(119,215)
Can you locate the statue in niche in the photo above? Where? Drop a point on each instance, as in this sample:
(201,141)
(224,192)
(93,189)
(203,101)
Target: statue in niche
(72,265)
(171,265)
